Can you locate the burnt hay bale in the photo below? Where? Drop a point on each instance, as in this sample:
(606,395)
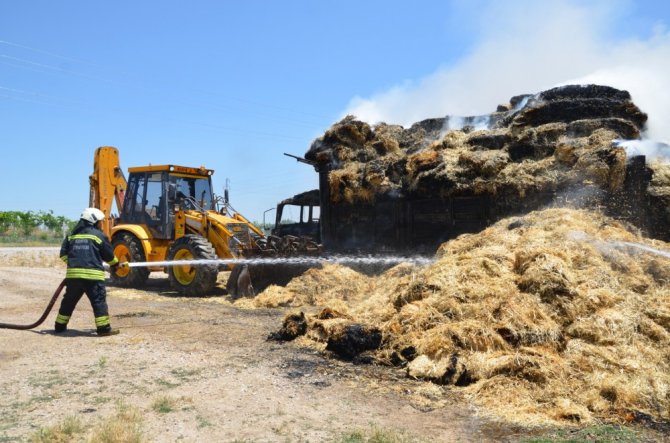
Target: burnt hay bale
(584,92)
(584,128)
(429,128)
(349,340)
(488,140)
(568,111)
(293,327)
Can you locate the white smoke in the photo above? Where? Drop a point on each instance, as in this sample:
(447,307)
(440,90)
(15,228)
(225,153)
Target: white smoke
(527,47)
(652,150)
(458,123)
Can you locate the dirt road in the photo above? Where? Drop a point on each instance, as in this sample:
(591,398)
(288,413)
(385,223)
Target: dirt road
(198,370)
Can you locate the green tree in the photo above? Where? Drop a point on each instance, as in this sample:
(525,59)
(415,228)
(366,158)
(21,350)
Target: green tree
(24,223)
(8,220)
(28,221)
(56,224)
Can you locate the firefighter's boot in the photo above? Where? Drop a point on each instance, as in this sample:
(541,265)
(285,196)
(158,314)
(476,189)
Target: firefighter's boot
(61,323)
(104,331)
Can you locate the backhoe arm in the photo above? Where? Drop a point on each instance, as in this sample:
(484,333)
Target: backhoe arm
(107,184)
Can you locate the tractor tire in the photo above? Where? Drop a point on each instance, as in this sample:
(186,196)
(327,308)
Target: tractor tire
(192,280)
(127,248)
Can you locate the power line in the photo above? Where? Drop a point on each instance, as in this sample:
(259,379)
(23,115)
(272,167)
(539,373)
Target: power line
(210,93)
(50,67)
(69,103)
(41,51)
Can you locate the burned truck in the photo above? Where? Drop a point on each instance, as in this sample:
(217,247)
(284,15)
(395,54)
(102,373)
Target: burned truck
(388,189)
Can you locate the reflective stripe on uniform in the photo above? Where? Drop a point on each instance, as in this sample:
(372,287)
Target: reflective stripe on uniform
(102,321)
(86,274)
(62,319)
(64,258)
(85,237)
(113,262)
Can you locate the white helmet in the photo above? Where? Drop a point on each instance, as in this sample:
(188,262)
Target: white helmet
(92,215)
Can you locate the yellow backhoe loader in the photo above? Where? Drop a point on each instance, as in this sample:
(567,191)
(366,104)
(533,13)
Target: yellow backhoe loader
(169,212)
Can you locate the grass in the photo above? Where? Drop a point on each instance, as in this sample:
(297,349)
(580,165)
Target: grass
(9,419)
(202,422)
(102,363)
(185,374)
(602,433)
(62,432)
(101,400)
(166,383)
(376,435)
(29,242)
(41,240)
(125,426)
(164,405)
(48,380)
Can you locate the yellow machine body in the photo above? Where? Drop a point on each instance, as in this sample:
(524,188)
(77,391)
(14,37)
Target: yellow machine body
(167,212)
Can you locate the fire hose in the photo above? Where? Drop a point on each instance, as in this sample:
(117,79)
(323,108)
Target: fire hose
(46,312)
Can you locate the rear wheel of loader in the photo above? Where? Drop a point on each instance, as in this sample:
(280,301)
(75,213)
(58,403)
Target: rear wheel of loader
(192,280)
(127,248)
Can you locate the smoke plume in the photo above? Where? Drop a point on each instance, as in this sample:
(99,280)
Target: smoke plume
(526,47)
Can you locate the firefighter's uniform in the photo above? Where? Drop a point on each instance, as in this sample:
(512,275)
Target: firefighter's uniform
(84,251)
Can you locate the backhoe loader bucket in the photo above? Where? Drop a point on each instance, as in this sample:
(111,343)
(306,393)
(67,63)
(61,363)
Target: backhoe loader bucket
(249,280)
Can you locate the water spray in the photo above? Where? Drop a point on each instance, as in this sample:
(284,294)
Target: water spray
(297,261)
(601,244)
(624,244)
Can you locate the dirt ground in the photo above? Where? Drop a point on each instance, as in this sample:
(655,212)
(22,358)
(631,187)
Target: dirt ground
(210,361)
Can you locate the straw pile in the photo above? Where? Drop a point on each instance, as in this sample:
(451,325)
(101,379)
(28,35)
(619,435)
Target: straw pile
(545,318)
(548,142)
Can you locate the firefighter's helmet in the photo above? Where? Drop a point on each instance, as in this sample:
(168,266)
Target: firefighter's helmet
(92,215)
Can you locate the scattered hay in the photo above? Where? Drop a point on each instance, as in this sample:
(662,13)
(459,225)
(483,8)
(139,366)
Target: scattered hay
(538,319)
(334,285)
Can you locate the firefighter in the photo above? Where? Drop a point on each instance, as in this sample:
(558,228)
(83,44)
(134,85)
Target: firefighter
(84,251)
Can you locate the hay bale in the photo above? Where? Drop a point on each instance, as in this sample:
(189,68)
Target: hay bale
(574,126)
(623,128)
(483,164)
(493,139)
(536,142)
(422,161)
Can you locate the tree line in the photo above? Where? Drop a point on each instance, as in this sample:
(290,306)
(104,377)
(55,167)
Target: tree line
(41,224)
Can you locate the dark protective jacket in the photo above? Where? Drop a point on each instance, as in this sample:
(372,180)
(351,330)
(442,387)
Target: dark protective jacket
(84,251)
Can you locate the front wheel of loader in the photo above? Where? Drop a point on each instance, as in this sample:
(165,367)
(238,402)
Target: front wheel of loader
(192,280)
(127,248)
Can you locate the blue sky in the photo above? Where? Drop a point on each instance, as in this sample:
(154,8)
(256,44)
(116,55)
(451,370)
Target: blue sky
(234,85)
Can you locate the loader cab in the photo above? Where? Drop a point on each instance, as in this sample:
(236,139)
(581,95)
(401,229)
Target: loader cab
(299,216)
(156,193)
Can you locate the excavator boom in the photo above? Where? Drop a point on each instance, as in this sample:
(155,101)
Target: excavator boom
(107,184)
